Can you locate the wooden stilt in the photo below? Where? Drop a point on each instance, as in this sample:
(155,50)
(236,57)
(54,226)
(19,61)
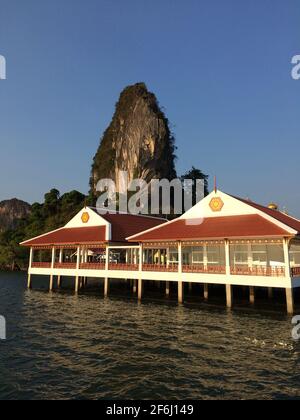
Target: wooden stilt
(229,295)
(51,283)
(140,291)
(190,287)
(76,284)
(134,286)
(290,301)
(270,292)
(29,284)
(252,295)
(206,291)
(59,282)
(106,287)
(180,292)
(167,288)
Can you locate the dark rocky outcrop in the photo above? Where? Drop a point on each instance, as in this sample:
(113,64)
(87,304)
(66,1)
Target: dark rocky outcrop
(12,211)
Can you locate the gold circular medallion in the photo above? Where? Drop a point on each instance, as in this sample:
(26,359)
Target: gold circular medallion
(85,217)
(216,204)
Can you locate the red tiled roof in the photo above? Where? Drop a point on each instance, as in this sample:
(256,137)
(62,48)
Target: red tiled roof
(70,236)
(122,226)
(276,214)
(214,227)
(126,225)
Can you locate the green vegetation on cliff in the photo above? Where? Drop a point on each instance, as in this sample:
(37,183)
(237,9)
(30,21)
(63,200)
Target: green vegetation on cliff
(54,213)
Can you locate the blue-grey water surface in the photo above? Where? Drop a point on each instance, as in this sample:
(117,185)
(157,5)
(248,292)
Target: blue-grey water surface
(60,346)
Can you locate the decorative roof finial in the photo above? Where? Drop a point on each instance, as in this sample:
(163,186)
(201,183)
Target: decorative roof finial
(216,188)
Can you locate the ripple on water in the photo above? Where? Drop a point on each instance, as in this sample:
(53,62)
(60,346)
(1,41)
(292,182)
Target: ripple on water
(62,346)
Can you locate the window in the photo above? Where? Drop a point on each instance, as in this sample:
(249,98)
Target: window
(295,254)
(239,255)
(259,255)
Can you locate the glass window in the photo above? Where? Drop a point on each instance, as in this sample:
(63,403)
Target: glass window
(239,255)
(295,254)
(259,255)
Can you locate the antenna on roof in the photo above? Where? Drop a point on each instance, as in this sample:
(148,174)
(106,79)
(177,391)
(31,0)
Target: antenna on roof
(215,186)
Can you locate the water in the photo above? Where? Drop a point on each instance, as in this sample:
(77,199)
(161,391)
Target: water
(62,346)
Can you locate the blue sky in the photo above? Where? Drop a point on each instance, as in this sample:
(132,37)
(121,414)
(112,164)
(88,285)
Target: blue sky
(220,68)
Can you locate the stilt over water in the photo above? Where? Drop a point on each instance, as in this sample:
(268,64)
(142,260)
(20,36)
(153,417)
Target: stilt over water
(252,295)
(140,289)
(229,296)
(180,292)
(106,287)
(290,301)
(205,291)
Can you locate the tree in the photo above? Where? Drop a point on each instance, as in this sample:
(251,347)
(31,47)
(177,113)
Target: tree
(196,174)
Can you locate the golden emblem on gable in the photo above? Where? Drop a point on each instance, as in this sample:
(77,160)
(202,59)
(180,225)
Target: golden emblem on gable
(85,217)
(216,204)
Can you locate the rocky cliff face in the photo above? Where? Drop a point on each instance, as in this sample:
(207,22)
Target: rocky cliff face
(138,141)
(11,211)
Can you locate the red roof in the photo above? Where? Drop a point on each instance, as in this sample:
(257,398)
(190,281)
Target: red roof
(276,214)
(70,236)
(214,227)
(125,225)
(122,226)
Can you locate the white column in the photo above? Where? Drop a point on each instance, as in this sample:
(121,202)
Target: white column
(287,258)
(29,268)
(180,283)
(60,261)
(77,268)
(141,258)
(205,258)
(180,258)
(250,256)
(52,268)
(106,258)
(227,257)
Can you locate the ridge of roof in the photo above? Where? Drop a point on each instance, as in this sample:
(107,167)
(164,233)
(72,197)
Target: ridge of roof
(118,213)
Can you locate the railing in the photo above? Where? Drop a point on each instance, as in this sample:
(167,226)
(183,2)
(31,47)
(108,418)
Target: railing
(92,266)
(201,269)
(66,266)
(295,271)
(258,271)
(41,265)
(123,267)
(173,268)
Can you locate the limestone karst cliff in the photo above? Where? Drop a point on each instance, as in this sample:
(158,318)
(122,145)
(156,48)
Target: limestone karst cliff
(11,211)
(138,140)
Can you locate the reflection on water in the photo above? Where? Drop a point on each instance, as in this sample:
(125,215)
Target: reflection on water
(62,346)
